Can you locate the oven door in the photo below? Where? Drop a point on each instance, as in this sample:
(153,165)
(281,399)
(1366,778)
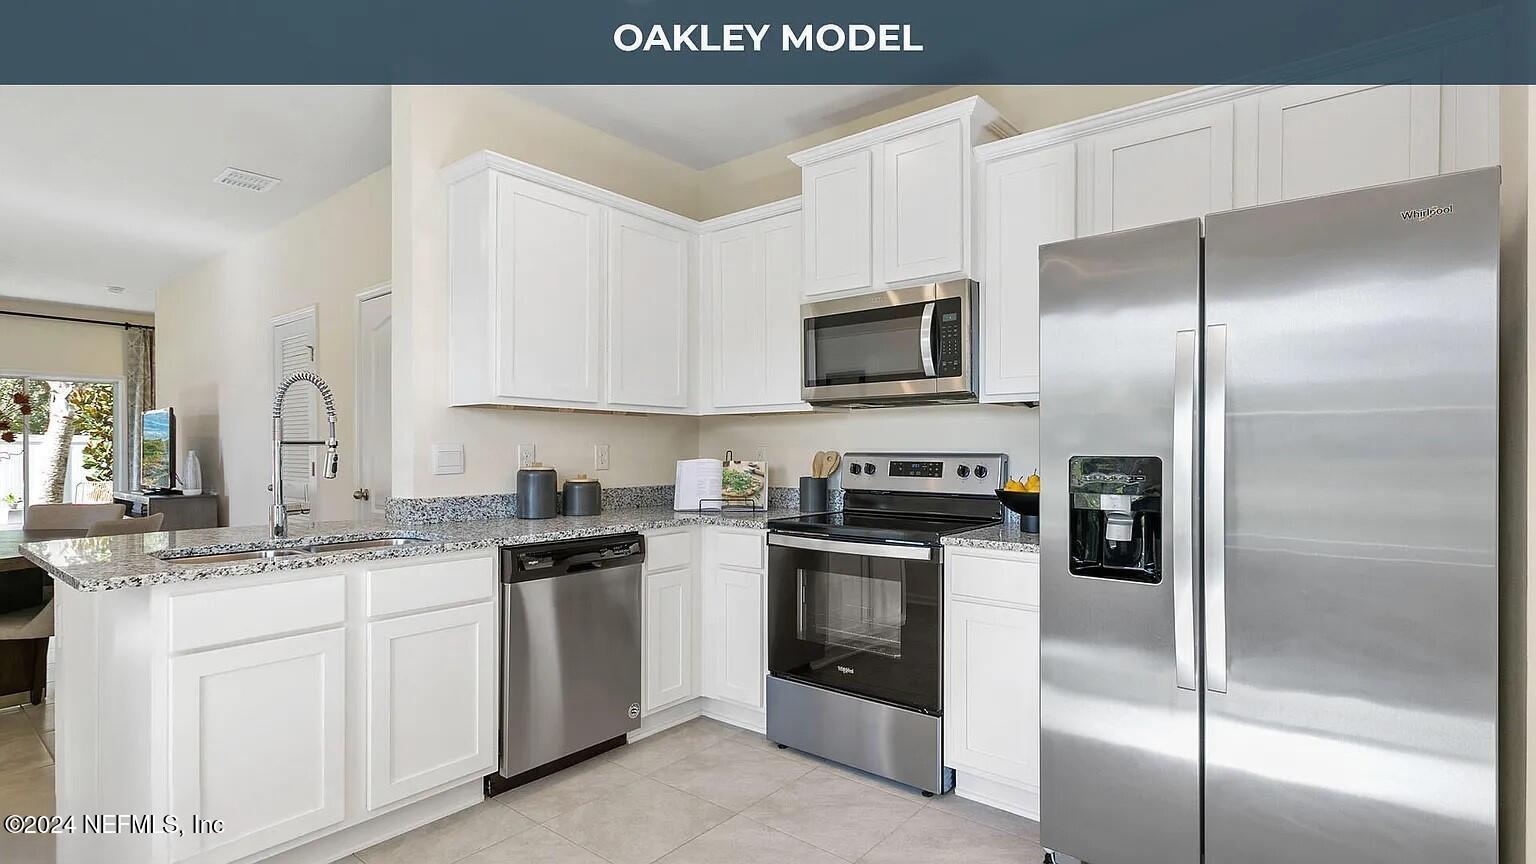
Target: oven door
(858,618)
(907,344)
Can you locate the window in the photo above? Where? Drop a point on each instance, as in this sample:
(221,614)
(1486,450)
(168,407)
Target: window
(58,443)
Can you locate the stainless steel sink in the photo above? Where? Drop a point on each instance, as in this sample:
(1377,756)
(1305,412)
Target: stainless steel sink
(234,557)
(352,545)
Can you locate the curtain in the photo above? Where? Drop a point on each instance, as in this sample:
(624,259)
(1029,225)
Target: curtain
(138,397)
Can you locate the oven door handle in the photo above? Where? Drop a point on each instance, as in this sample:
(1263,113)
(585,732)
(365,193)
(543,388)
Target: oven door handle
(925,339)
(846,547)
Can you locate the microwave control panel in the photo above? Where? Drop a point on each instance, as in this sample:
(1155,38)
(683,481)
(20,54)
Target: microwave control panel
(947,361)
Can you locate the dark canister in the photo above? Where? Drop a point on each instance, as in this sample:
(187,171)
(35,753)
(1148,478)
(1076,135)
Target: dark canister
(813,495)
(536,492)
(581,497)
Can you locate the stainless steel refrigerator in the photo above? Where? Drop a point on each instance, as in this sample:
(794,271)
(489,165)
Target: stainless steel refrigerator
(1269,452)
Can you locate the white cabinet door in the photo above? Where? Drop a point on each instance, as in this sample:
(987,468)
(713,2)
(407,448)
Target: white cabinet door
(782,254)
(838,201)
(257,740)
(648,313)
(992,699)
(431,700)
(1030,199)
(738,304)
(1160,170)
(924,181)
(668,629)
(1318,139)
(734,627)
(548,295)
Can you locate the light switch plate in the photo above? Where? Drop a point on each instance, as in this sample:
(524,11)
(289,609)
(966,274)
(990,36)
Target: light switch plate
(527,454)
(600,457)
(447,458)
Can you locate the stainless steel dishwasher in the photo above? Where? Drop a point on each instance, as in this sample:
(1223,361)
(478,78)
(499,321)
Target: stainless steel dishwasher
(570,653)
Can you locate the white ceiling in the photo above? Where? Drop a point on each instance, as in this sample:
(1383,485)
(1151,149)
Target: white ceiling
(705,125)
(114,185)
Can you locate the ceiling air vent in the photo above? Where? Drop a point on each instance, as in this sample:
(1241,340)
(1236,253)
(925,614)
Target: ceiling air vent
(250,181)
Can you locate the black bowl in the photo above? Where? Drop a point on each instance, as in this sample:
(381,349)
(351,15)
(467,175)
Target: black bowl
(1022,503)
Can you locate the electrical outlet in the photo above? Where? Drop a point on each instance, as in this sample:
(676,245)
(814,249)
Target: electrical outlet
(526,455)
(600,457)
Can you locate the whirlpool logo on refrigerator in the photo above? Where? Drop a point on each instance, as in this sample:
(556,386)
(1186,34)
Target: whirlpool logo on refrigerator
(1424,214)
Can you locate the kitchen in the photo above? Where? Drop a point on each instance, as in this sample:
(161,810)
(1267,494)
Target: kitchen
(698,326)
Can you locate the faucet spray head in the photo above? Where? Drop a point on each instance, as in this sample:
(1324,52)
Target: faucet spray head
(332,460)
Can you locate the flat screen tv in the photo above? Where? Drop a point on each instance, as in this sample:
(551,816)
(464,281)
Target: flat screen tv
(157,453)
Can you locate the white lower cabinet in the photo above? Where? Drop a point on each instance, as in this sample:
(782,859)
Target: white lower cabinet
(257,740)
(431,690)
(668,621)
(992,677)
(735,651)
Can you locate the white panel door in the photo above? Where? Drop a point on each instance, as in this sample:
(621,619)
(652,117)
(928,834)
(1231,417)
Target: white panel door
(782,258)
(837,199)
(992,698)
(734,632)
(668,628)
(648,313)
(738,303)
(374,359)
(1164,169)
(1030,199)
(1318,139)
(431,700)
(257,740)
(293,350)
(924,211)
(548,294)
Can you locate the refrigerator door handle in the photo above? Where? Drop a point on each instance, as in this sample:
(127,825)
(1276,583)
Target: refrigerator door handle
(1181,511)
(1214,498)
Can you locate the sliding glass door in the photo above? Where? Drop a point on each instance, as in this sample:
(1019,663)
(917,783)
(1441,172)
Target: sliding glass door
(58,442)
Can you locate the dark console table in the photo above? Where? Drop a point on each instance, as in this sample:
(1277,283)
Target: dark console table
(181,511)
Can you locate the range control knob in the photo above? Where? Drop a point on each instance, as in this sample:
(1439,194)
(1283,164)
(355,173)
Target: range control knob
(854,467)
(869,467)
(980,471)
(963,471)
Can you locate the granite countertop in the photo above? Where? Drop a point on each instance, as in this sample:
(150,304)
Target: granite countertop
(136,560)
(1007,537)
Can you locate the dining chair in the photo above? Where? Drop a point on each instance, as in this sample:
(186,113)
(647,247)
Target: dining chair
(33,625)
(112,527)
(65,517)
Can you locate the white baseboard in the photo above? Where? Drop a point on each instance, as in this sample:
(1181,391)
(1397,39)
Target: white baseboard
(1018,800)
(666,718)
(334,847)
(716,709)
(754,719)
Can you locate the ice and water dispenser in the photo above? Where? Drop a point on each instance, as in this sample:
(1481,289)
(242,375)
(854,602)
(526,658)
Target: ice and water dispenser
(1116,518)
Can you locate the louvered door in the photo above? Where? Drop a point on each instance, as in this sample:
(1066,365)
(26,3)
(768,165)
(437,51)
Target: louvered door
(293,350)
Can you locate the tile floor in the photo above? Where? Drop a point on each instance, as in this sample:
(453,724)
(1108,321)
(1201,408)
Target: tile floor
(707,793)
(699,793)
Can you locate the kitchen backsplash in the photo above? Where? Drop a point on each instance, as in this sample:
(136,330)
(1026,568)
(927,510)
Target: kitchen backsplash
(468,508)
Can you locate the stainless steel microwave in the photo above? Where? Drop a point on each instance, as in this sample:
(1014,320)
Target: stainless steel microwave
(905,346)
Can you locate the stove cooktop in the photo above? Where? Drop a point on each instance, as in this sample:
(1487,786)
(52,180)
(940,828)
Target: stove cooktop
(860,525)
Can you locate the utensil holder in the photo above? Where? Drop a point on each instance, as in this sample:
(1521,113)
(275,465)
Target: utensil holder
(813,494)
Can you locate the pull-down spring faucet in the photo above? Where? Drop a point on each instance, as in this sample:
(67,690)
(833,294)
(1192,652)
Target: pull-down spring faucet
(279,521)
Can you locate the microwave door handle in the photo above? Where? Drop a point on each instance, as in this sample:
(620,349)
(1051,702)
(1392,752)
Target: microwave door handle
(925,339)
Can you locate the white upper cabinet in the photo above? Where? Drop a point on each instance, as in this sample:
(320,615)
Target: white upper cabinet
(1177,166)
(926,178)
(563,295)
(1319,139)
(892,206)
(547,294)
(1028,199)
(751,314)
(648,313)
(839,207)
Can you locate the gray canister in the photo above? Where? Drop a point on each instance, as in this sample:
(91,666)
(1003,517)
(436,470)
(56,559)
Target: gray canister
(536,492)
(581,497)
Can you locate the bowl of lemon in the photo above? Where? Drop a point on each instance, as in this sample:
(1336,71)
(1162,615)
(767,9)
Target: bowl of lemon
(1023,498)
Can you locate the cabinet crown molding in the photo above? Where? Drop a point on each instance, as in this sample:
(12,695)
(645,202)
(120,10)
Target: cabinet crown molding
(490,160)
(743,217)
(979,114)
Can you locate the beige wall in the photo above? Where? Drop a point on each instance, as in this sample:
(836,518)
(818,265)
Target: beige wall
(432,128)
(768,175)
(62,347)
(214,355)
